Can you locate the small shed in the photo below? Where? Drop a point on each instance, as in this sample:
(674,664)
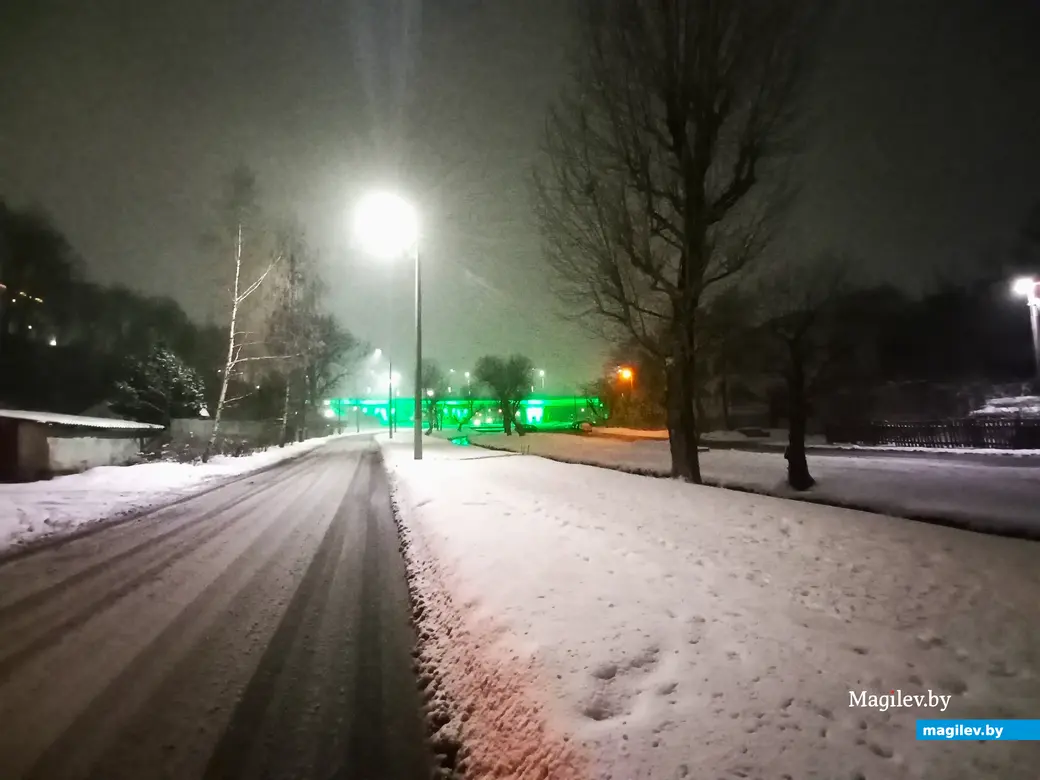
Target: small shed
(39,445)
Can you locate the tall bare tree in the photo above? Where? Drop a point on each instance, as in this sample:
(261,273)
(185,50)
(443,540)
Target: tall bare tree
(660,171)
(812,333)
(316,351)
(245,239)
(509,381)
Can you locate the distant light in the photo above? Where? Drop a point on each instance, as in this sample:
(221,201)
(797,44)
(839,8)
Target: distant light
(1025,285)
(30,327)
(326,402)
(53,342)
(329,413)
(449,388)
(541,372)
(625,373)
(386,224)
(429,392)
(378,353)
(467,375)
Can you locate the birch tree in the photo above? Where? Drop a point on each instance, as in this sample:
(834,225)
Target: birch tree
(252,256)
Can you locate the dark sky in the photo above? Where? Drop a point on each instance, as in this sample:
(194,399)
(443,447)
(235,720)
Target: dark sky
(121,118)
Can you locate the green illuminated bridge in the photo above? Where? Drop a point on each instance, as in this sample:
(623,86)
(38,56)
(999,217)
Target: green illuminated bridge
(556,412)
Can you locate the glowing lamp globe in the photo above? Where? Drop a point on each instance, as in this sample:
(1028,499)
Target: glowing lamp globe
(386,225)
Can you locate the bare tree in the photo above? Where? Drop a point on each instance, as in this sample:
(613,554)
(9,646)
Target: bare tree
(254,256)
(509,380)
(435,385)
(660,171)
(807,340)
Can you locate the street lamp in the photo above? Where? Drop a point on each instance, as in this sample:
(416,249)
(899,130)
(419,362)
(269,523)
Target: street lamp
(1029,288)
(388,227)
(541,375)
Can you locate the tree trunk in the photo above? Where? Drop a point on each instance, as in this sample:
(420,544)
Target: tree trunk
(520,429)
(727,420)
(507,418)
(230,362)
(285,410)
(798,476)
(682,422)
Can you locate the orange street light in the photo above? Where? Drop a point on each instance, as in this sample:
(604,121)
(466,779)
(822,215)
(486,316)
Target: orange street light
(625,373)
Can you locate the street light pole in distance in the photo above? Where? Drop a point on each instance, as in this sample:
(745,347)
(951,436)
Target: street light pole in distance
(1029,288)
(388,227)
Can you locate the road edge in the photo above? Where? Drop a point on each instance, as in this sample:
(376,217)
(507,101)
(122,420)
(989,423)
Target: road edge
(446,744)
(111,521)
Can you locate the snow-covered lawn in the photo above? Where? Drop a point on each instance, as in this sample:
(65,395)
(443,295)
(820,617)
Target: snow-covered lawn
(31,510)
(777,439)
(607,625)
(1001,496)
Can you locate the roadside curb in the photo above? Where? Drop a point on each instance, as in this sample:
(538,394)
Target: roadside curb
(440,712)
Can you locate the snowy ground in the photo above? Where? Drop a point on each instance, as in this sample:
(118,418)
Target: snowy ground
(32,510)
(777,439)
(1003,496)
(607,625)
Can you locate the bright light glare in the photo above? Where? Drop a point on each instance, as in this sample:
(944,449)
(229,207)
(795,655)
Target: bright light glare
(625,373)
(1024,286)
(386,225)
(329,413)
(429,392)
(378,353)
(541,372)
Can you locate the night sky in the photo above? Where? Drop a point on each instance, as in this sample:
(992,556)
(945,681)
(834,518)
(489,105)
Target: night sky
(121,119)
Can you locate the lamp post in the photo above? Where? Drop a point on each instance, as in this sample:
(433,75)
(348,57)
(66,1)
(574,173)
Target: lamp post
(1029,288)
(388,227)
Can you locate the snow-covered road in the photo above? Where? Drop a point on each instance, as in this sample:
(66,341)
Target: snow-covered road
(1002,496)
(607,625)
(260,630)
(32,511)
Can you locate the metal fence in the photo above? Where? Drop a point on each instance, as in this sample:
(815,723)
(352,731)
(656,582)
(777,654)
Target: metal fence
(1012,434)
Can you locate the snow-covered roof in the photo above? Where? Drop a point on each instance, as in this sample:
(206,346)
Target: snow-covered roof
(79,421)
(1018,406)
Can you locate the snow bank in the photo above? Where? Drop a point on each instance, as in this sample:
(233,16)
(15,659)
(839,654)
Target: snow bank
(666,630)
(1017,406)
(1002,496)
(629,433)
(31,510)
